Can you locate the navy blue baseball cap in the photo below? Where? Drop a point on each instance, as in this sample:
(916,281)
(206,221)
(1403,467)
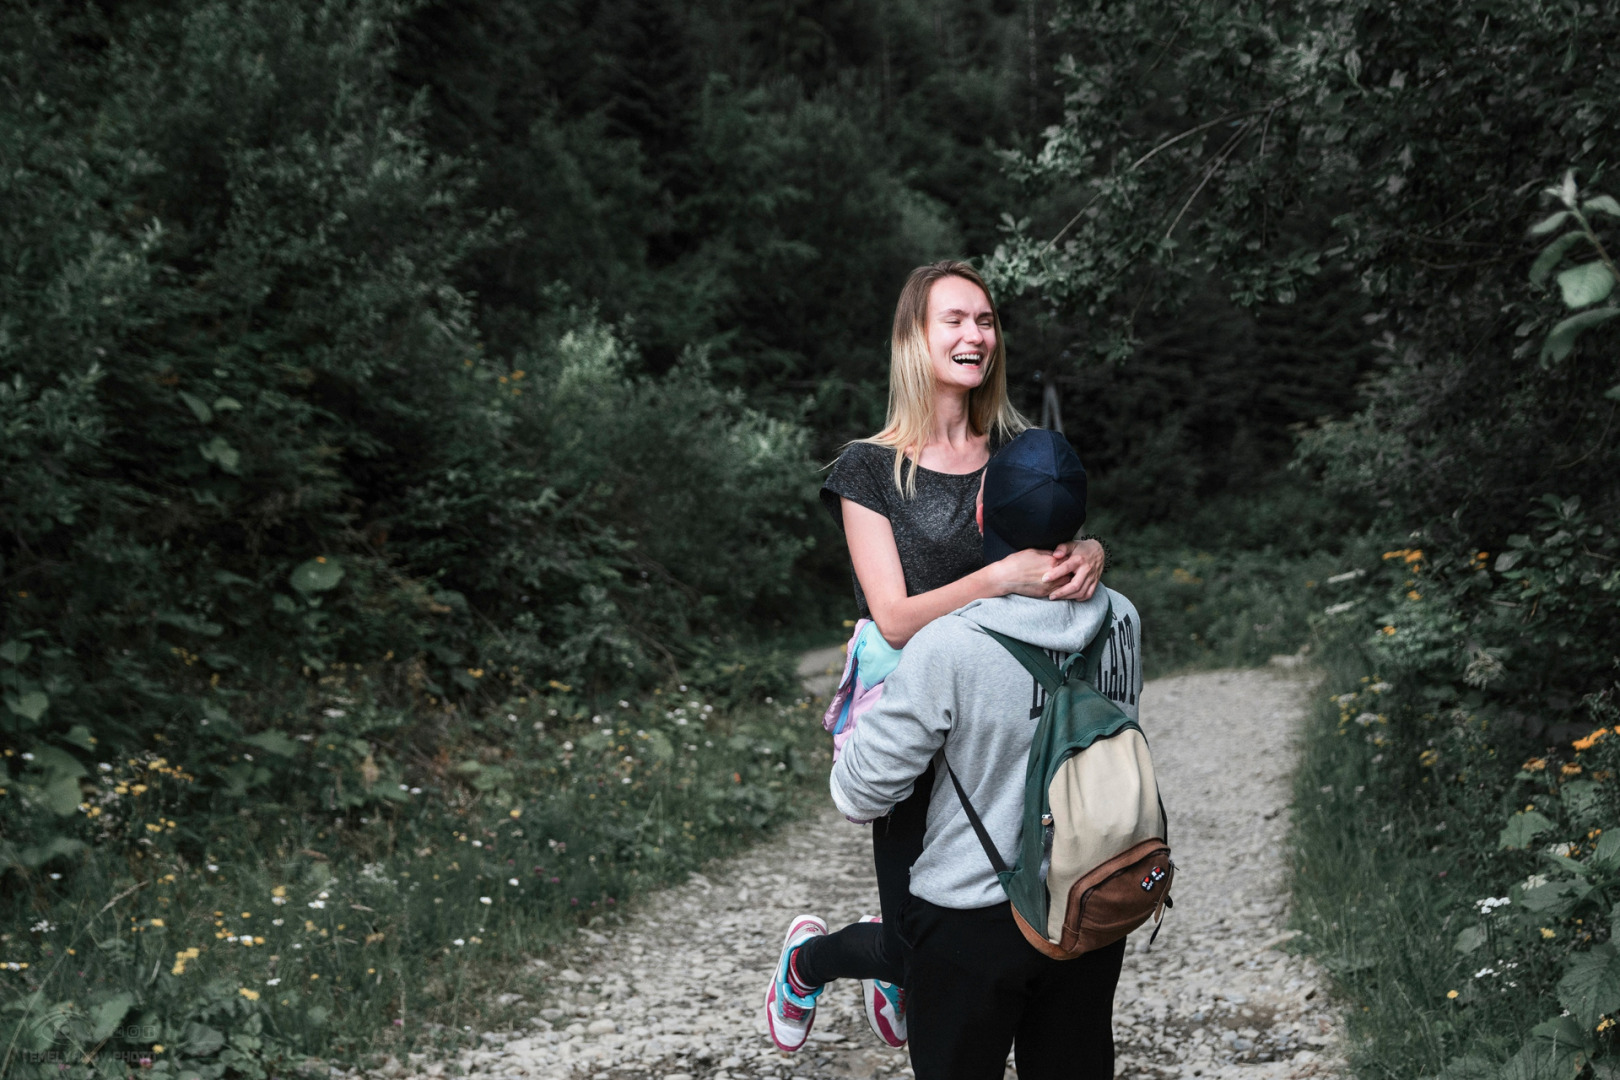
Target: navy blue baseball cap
(1034,494)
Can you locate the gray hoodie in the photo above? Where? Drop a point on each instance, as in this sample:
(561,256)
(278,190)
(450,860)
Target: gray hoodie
(957,694)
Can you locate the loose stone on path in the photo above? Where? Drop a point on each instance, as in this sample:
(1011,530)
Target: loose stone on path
(676,991)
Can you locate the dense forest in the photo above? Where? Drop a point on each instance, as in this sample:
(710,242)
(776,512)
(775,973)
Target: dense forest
(476,358)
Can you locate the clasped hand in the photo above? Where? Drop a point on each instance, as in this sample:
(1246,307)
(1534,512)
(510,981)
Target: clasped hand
(1069,572)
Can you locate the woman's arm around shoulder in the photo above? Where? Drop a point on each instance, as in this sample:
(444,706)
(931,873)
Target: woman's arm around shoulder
(876,558)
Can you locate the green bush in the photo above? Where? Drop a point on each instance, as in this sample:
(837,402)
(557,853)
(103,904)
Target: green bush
(251,433)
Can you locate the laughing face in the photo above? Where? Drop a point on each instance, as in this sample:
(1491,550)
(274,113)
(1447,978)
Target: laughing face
(961,332)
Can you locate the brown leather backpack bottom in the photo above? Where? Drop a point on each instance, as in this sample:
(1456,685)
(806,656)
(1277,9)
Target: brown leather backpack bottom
(1109,902)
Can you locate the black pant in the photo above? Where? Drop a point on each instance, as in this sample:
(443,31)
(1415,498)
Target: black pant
(976,989)
(875,950)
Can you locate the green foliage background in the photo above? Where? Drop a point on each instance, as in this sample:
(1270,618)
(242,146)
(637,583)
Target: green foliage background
(390,390)
(1438,176)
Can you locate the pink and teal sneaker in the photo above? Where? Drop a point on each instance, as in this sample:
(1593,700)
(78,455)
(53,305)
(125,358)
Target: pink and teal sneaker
(885,1005)
(788,1012)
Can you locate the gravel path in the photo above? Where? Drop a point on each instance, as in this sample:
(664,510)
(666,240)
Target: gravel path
(675,992)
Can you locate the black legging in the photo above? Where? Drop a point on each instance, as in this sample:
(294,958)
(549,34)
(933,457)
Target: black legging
(874,950)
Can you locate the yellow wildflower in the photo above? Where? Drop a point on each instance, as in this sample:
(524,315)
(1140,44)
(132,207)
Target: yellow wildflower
(1451,994)
(251,995)
(1535,764)
(1570,770)
(1548,935)
(1590,740)
(1428,757)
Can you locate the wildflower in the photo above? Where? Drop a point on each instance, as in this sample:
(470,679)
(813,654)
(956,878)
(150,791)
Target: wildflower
(1571,769)
(1452,994)
(1590,740)
(1548,935)
(1535,764)
(314,976)
(1490,904)
(515,812)
(459,942)
(1428,757)
(1387,631)
(157,1048)
(1413,594)
(251,995)
(157,922)
(273,982)
(1605,1024)
(512,881)
(317,903)
(485,900)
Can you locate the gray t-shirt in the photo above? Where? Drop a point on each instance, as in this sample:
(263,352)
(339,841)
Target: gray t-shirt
(934,531)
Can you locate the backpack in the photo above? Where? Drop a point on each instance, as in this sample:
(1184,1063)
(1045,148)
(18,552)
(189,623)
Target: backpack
(1094,859)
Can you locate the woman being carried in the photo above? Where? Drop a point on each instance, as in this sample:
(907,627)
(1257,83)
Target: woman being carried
(905,502)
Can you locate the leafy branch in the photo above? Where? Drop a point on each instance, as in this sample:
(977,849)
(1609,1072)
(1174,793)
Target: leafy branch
(1585,283)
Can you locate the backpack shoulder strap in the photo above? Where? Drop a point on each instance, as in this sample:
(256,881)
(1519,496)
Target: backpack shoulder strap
(996,861)
(1036,662)
(1091,655)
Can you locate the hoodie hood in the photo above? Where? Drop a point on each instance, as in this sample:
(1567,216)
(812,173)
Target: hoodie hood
(1062,625)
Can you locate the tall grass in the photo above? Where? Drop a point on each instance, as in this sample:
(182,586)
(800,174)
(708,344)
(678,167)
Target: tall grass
(1383,883)
(263,941)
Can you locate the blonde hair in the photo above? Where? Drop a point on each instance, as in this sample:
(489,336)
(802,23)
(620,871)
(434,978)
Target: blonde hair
(910,421)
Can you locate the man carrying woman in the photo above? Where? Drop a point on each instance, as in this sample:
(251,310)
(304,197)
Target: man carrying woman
(905,500)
